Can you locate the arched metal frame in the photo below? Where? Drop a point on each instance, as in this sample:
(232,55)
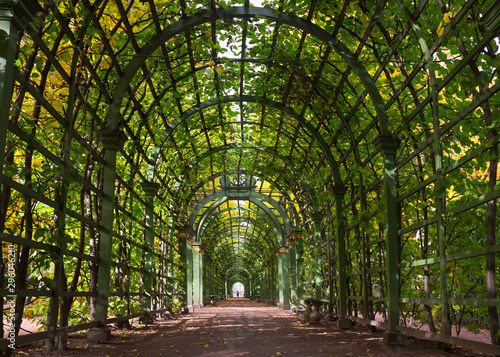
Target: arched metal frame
(341,211)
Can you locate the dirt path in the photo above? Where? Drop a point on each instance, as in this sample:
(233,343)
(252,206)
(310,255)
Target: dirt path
(247,329)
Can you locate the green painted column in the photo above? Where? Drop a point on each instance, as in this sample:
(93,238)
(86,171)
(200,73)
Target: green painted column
(201,276)
(317,218)
(299,256)
(330,275)
(388,147)
(280,279)
(8,40)
(293,273)
(268,282)
(343,321)
(274,283)
(129,256)
(182,239)
(150,190)
(285,285)
(189,274)
(263,283)
(111,141)
(197,294)
(170,267)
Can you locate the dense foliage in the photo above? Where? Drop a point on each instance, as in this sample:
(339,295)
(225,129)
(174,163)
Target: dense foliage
(250,117)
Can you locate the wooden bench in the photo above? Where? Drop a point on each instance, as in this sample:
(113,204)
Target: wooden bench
(312,314)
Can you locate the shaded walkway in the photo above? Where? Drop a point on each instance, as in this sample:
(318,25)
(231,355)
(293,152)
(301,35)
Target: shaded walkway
(252,330)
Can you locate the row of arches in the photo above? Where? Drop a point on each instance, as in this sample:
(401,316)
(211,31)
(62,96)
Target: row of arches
(310,149)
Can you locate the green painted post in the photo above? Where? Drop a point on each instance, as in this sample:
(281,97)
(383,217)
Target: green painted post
(182,237)
(317,218)
(266,282)
(111,141)
(196,275)
(277,277)
(129,256)
(201,276)
(343,321)
(272,284)
(389,146)
(299,255)
(365,253)
(150,189)
(273,281)
(293,273)
(263,284)
(189,274)
(330,276)
(285,285)
(8,41)
(281,283)
(170,267)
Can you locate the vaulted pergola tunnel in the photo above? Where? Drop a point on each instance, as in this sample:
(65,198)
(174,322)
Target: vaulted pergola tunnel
(157,152)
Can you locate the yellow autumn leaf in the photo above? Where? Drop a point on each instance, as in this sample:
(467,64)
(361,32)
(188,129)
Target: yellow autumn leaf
(37,162)
(440,30)
(206,345)
(447,17)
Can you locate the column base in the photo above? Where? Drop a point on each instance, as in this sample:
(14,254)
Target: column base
(344,323)
(286,307)
(394,338)
(99,334)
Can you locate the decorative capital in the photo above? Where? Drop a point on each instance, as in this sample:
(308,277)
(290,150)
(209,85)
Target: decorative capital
(339,192)
(150,188)
(297,234)
(112,139)
(7,5)
(387,144)
(181,234)
(317,218)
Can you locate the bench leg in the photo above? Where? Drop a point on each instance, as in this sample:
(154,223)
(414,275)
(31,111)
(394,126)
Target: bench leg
(307,312)
(315,314)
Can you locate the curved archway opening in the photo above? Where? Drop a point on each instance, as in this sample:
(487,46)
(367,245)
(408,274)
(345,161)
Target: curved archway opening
(238,289)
